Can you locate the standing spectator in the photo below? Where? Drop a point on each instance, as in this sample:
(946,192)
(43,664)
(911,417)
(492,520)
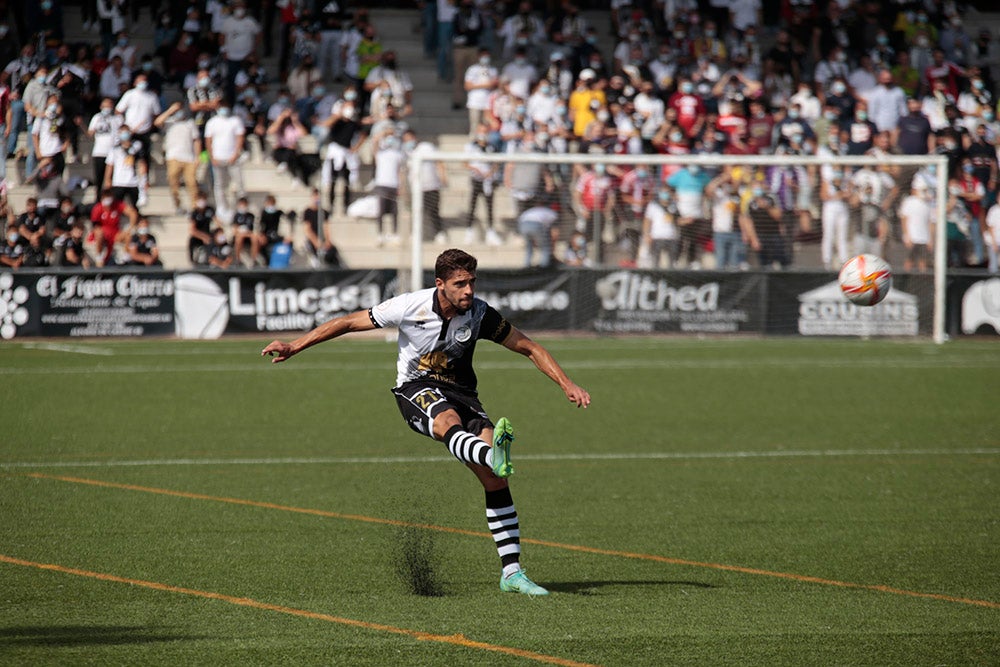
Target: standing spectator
(479,80)
(224,136)
(115,79)
(446,12)
(584,102)
(520,73)
(971,192)
(941,69)
(204,98)
(689,106)
(536,225)
(388,175)
(886,103)
(124,49)
(239,39)
(524,180)
(862,79)
(689,185)
(913,135)
(834,193)
(917,225)
(860,131)
(287,131)
(873,195)
(124,173)
(103,128)
(140,106)
(432,178)
(760,128)
(522,22)
(36,100)
(660,235)
(993,237)
(331,17)
(724,200)
(49,136)
(106,216)
(482,176)
(764,229)
(467,26)
(347,135)
(400,87)
(593,201)
(142,249)
(181,148)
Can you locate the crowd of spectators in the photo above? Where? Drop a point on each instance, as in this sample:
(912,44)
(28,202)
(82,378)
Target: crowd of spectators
(681,78)
(853,78)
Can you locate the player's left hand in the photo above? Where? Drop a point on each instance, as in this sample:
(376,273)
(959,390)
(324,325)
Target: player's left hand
(278,351)
(578,395)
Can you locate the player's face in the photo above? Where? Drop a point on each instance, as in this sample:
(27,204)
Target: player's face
(458,289)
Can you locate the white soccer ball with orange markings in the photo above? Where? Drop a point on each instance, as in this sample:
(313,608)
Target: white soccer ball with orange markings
(866,279)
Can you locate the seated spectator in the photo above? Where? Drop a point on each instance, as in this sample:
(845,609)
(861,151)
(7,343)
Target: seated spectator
(71,248)
(268,228)
(319,234)
(202,221)
(108,217)
(220,252)
(33,235)
(243,232)
(142,248)
(13,249)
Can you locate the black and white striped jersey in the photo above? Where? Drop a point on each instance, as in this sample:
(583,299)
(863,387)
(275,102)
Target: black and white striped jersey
(431,348)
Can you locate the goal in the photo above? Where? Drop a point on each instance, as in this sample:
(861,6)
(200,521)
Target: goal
(692,243)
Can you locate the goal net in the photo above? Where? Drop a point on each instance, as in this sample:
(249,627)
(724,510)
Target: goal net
(690,243)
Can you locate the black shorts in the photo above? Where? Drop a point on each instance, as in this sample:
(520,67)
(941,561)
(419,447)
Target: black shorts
(421,402)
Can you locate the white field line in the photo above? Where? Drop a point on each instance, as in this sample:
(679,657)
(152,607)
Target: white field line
(391,460)
(73,349)
(520,365)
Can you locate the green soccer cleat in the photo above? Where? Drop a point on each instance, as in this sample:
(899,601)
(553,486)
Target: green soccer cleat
(503,435)
(519,583)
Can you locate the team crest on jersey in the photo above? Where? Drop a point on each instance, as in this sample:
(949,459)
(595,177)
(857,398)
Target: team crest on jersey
(463,334)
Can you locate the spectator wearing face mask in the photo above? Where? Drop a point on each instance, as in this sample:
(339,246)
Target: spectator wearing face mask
(107,217)
(399,87)
(124,172)
(49,136)
(142,248)
(140,106)
(224,137)
(181,148)
(480,79)
(204,98)
(103,129)
(239,39)
(341,162)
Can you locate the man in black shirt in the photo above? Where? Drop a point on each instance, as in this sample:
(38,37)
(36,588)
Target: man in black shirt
(202,220)
(913,133)
(142,250)
(765,229)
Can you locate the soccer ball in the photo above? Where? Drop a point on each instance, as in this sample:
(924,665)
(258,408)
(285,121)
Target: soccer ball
(866,279)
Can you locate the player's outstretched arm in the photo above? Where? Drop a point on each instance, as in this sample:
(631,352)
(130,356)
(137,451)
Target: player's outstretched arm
(357,321)
(545,362)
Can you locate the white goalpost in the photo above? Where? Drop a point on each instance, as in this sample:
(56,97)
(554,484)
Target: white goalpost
(454,163)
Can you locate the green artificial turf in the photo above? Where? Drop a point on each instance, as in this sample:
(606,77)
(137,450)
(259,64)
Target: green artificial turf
(721,502)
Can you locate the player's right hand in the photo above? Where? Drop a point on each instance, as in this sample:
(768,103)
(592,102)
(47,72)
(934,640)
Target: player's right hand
(278,351)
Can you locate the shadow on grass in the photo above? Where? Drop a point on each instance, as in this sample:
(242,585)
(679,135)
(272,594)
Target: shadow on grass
(592,587)
(84,635)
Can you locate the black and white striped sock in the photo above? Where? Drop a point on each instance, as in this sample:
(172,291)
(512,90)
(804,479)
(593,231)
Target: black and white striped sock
(467,447)
(502,520)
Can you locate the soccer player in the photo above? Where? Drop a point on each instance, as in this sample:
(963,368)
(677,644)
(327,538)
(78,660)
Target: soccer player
(436,385)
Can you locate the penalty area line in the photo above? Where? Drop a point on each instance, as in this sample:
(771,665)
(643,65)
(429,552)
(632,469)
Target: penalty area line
(624,456)
(801,578)
(455,640)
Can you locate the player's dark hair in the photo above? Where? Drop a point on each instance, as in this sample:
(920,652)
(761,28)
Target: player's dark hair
(454,260)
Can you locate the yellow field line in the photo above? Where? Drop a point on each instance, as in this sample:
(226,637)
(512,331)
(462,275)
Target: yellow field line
(457,640)
(545,543)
